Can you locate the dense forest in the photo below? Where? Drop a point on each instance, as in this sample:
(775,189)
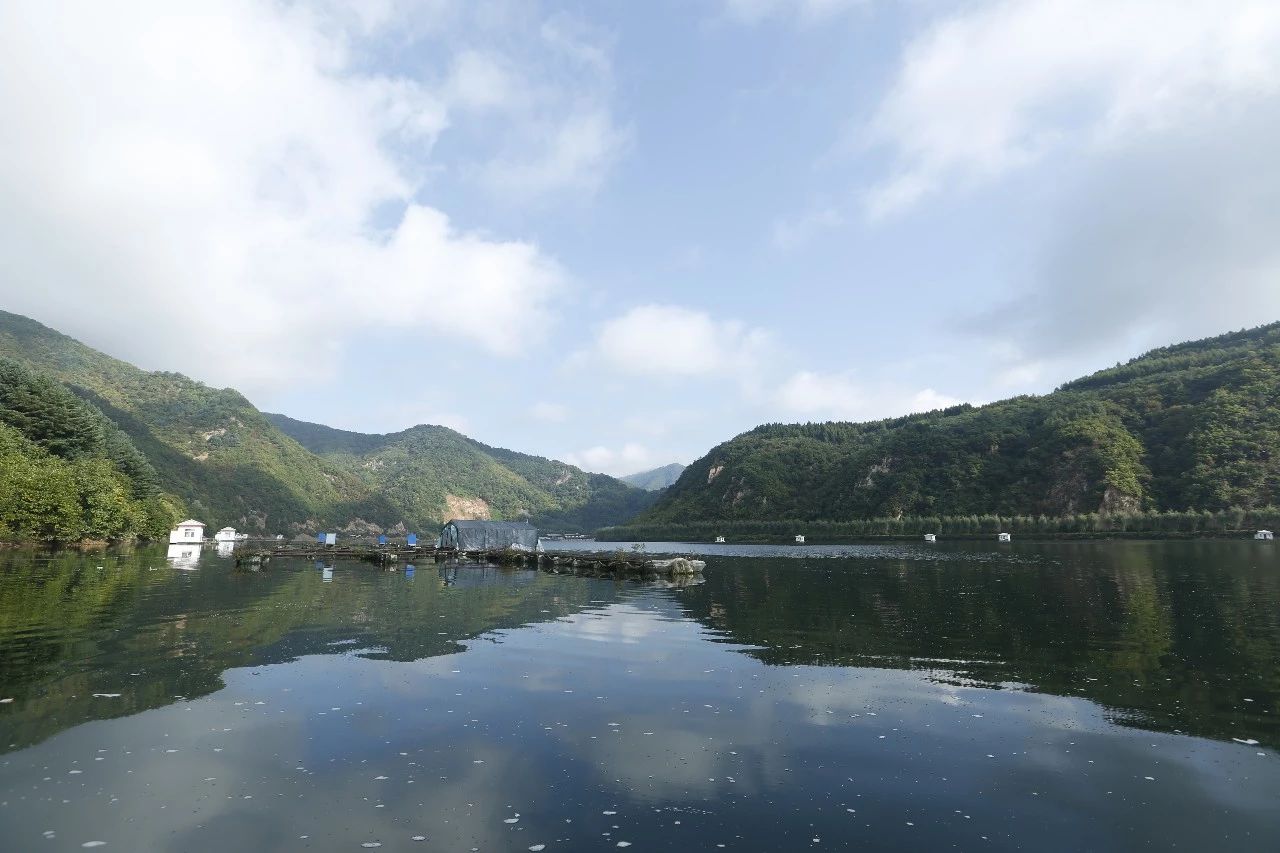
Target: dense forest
(226,463)
(66,471)
(1181,430)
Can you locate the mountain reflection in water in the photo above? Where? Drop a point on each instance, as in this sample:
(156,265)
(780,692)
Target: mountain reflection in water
(892,696)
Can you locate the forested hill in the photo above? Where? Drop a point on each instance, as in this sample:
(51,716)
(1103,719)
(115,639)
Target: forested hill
(228,464)
(436,466)
(66,471)
(1191,426)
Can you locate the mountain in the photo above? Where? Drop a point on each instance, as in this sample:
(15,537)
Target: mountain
(434,466)
(210,447)
(1194,426)
(657,479)
(230,464)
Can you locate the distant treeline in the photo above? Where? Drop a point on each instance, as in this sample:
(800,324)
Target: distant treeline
(1228,521)
(68,473)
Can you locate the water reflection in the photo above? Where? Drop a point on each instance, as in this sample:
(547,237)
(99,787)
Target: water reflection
(881,701)
(185,557)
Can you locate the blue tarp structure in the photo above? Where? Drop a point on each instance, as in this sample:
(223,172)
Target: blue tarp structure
(412,540)
(382,540)
(320,538)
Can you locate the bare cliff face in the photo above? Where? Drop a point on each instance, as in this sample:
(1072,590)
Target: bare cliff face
(466,508)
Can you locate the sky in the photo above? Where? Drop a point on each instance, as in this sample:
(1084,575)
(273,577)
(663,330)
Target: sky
(619,233)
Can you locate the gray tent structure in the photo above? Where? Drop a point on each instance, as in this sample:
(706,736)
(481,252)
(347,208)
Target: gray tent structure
(489,535)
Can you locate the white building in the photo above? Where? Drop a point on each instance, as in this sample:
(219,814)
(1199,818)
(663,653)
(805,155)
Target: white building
(719,540)
(799,538)
(1005,537)
(931,537)
(226,534)
(186,533)
(1264,534)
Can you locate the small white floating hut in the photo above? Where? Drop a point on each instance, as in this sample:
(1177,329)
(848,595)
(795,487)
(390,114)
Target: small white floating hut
(1264,534)
(719,540)
(799,538)
(1004,537)
(931,537)
(226,534)
(186,533)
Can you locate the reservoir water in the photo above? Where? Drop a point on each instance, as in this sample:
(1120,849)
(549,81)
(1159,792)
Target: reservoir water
(1100,696)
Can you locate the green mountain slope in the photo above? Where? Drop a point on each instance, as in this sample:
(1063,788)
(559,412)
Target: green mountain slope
(1192,426)
(435,470)
(658,478)
(209,446)
(231,464)
(66,471)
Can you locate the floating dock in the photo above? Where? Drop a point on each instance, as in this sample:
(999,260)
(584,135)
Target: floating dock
(597,563)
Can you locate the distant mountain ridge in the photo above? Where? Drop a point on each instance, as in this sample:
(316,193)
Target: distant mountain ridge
(232,465)
(1194,426)
(655,479)
(435,465)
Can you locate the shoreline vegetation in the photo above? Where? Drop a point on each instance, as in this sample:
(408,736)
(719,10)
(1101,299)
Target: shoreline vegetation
(67,473)
(1191,524)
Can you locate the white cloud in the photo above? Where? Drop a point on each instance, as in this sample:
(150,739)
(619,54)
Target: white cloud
(552,413)
(817,396)
(793,233)
(805,11)
(481,81)
(618,462)
(1000,84)
(163,167)
(669,340)
(574,153)
(1156,244)
(567,138)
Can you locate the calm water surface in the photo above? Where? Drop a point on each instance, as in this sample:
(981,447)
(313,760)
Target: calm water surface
(1104,696)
